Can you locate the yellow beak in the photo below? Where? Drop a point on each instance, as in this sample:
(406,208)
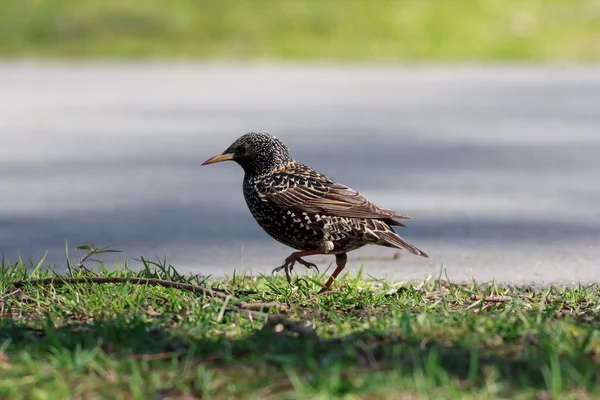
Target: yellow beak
(219,158)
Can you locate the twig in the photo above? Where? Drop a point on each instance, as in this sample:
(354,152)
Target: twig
(278,322)
(157,356)
(136,281)
(261,306)
(250,310)
(491,299)
(251,314)
(320,294)
(83,259)
(546,299)
(275,320)
(485,307)
(190,287)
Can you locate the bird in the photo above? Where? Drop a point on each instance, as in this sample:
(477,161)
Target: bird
(305,209)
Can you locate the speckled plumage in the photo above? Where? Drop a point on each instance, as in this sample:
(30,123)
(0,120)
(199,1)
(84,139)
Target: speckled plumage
(304,209)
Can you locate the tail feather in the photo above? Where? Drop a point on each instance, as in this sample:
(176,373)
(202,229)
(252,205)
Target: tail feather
(401,216)
(391,221)
(391,239)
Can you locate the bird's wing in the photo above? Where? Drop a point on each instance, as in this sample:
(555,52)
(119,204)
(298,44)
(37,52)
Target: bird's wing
(298,187)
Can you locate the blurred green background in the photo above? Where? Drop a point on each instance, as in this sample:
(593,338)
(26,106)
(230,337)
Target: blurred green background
(535,30)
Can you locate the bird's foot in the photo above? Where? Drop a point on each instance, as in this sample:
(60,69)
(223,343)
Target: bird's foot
(288,266)
(308,265)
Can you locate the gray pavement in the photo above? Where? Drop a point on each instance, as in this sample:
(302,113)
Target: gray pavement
(499,166)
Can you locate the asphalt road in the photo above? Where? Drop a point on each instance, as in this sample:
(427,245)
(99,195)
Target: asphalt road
(499,166)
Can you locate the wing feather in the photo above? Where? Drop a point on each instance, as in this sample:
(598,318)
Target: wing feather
(301,188)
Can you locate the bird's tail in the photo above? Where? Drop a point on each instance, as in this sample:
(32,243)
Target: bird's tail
(391,239)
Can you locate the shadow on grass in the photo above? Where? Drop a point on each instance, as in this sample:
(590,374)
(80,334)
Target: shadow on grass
(132,338)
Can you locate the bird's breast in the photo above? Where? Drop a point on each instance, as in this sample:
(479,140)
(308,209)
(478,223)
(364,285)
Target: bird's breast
(294,228)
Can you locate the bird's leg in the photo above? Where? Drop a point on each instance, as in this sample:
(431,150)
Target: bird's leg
(340,260)
(288,266)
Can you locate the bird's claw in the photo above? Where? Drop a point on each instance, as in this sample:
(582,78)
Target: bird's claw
(308,265)
(288,266)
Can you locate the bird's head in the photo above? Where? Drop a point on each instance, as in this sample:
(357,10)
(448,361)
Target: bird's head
(257,152)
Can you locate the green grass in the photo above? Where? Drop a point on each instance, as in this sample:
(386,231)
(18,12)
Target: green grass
(539,30)
(365,339)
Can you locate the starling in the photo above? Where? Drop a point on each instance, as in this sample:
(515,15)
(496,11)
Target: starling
(304,209)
